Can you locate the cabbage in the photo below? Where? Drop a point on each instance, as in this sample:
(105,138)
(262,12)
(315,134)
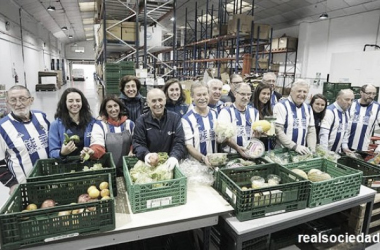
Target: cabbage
(224,131)
(142,173)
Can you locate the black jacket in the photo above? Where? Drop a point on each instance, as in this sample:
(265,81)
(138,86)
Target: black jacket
(133,107)
(165,135)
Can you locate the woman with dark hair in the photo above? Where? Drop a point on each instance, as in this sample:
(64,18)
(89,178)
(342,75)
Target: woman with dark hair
(118,130)
(130,96)
(261,100)
(319,104)
(73,120)
(175,97)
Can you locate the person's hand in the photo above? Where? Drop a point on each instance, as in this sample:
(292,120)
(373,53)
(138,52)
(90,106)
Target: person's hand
(171,163)
(206,161)
(151,159)
(302,150)
(348,151)
(243,152)
(86,153)
(12,189)
(68,148)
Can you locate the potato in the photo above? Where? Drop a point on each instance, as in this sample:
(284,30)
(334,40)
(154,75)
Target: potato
(48,203)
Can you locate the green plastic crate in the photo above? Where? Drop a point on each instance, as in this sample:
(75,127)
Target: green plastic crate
(148,197)
(290,195)
(371,172)
(19,229)
(345,182)
(285,156)
(257,161)
(52,169)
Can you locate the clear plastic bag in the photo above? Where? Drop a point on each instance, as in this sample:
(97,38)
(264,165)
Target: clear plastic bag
(197,173)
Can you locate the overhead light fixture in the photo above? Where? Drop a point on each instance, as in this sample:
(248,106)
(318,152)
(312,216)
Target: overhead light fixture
(70,36)
(51,8)
(64,28)
(323,16)
(172,19)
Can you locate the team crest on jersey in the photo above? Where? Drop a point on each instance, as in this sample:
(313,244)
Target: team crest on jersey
(171,132)
(20,134)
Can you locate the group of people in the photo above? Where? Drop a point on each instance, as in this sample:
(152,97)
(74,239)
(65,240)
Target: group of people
(348,124)
(162,122)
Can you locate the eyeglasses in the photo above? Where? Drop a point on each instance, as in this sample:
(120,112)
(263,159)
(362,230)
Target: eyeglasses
(235,83)
(22,99)
(244,94)
(370,93)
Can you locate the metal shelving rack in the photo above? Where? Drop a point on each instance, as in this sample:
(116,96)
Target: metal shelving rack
(149,13)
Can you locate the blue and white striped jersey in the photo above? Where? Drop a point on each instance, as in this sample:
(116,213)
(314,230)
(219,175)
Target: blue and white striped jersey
(199,131)
(23,143)
(243,122)
(336,122)
(296,120)
(362,122)
(127,125)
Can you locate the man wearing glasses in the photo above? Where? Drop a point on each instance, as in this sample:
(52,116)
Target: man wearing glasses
(242,115)
(364,114)
(235,80)
(23,137)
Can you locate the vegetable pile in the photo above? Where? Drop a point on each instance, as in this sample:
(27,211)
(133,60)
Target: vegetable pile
(142,173)
(314,175)
(224,131)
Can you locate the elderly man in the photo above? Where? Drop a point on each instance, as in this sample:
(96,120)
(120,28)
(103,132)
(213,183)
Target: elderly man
(215,91)
(335,121)
(23,137)
(159,130)
(295,121)
(198,125)
(242,115)
(364,115)
(270,78)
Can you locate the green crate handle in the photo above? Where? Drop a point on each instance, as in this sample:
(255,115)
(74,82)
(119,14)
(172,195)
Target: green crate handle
(340,182)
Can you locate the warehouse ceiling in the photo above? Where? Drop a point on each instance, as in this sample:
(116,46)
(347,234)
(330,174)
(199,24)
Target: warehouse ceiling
(79,16)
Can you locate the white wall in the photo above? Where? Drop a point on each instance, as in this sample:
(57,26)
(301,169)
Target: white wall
(40,46)
(320,40)
(89,53)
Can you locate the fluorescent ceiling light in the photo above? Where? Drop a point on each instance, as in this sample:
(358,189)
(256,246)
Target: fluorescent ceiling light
(172,19)
(70,36)
(87,6)
(88,21)
(244,6)
(323,16)
(51,8)
(64,28)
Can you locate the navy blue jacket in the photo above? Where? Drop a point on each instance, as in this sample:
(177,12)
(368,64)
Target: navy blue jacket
(179,108)
(153,136)
(133,107)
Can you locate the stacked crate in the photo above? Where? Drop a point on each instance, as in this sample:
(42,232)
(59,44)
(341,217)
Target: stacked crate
(330,90)
(113,73)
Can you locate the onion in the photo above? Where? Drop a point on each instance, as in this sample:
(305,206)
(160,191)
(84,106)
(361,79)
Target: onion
(92,209)
(64,213)
(83,198)
(48,203)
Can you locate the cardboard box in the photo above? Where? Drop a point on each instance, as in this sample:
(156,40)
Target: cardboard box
(215,30)
(287,43)
(245,24)
(264,31)
(128,31)
(115,30)
(275,44)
